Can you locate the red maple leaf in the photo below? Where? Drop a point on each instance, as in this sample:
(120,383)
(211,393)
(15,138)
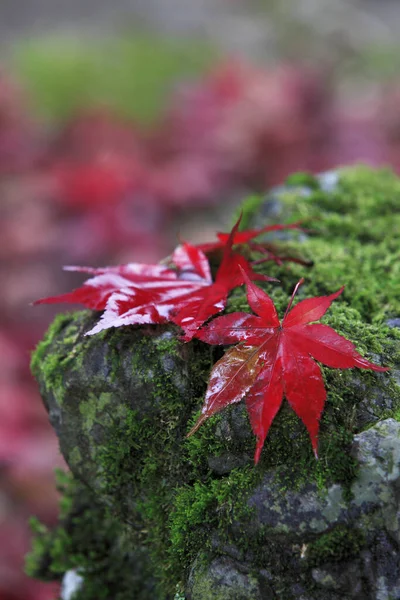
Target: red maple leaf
(194,309)
(96,291)
(268,250)
(275,359)
(137,294)
(188,301)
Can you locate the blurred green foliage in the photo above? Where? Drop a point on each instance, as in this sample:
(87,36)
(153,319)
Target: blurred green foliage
(133,74)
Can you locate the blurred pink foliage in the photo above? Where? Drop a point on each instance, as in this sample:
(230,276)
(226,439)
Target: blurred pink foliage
(102,190)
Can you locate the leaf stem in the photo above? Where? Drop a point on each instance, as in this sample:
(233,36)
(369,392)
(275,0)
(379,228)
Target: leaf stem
(289,306)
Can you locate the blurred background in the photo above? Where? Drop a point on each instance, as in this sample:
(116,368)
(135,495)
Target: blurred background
(126,124)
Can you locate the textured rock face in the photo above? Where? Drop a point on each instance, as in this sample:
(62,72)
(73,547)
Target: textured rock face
(203,522)
(91,384)
(362,530)
(306,511)
(318,529)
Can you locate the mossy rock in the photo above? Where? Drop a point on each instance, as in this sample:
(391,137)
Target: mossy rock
(88,538)
(203,521)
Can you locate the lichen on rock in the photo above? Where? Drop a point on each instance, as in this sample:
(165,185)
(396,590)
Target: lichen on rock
(201,519)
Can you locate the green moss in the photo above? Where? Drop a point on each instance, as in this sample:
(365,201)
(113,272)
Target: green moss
(75,457)
(50,359)
(356,241)
(89,540)
(149,464)
(211,505)
(303,180)
(370,273)
(174,518)
(335,546)
(93,409)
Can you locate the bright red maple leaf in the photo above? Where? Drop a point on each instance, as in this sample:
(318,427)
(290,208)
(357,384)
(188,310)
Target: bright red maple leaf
(96,291)
(194,309)
(137,294)
(268,250)
(188,301)
(275,359)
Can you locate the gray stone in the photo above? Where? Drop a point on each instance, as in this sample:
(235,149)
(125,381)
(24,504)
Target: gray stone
(341,578)
(394,322)
(224,463)
(377,487)
(223,579)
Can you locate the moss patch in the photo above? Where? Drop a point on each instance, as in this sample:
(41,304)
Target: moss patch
(335,546)
(356,241)
(89,540)
(174,519)
(212,505)
(49,365)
